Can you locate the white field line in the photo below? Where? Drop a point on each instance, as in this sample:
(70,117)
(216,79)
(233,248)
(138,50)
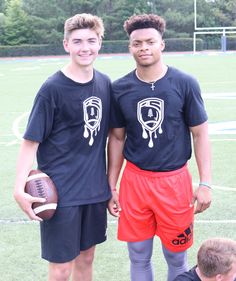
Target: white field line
(26,68)
(15,127)
(219,96)
(217,128)
(219,187)
(195,221)
(113,221)
(234,139)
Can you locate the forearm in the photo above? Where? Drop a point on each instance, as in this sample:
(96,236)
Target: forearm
(202,152)
(115,159)
(24,163)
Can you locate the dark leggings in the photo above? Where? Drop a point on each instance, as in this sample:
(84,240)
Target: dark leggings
(140,254)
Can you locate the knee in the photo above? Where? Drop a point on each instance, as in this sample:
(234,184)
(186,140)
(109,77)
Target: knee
(87,258)
(176,259)
(60,271)
(140,259)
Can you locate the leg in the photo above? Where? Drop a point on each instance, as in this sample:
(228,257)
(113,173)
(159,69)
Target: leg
(83,265)
(59,271)
(176,261)
(140,254)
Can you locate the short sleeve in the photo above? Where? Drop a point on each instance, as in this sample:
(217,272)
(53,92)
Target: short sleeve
(40,121)
(195,113)
(117,119)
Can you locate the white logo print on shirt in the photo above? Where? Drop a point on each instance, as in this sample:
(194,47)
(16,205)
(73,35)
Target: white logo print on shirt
(150,114)
(92,117)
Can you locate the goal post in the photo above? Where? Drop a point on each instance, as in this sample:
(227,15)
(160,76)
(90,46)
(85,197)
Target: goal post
(211,30)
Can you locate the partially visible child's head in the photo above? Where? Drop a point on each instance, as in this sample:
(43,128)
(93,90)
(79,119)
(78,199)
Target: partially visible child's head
(145,21)
(83,21)
(216,256)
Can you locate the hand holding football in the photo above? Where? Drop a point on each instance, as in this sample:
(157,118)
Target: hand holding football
(40,185)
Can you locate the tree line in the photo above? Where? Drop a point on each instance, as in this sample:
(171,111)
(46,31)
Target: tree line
(42,21)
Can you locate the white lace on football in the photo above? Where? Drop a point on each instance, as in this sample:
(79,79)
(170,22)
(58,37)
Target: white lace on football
(51,206)
(37,176)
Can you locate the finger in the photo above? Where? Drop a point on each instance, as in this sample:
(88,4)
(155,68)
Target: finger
(206,206)
(37,199)
(193,199)
(198,208)
(36,218)
(112,208)
(118,205)
(116,208)
(30,213)
(114,212)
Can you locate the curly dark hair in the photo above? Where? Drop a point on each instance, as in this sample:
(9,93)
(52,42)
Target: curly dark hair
(145,21)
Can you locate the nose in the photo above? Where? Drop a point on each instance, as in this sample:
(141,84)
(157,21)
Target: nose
(144,46)
(84,46)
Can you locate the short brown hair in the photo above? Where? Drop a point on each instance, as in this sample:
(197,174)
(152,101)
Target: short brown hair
(216,256)
(145,21)
(81,21)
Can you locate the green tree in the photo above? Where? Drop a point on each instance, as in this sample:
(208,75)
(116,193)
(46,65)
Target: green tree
(2,6)
(16,28)
(42,21)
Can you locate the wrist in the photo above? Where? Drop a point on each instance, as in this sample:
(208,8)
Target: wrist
(204,183)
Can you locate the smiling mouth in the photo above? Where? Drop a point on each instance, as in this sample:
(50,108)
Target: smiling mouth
(85,56)
(144,56)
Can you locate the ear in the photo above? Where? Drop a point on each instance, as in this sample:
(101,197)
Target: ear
(66,47)
(219,277)
(163,44)
(100,43)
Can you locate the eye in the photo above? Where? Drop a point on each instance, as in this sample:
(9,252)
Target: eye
(92,41)
(136,44)
(77,42)
(151,42)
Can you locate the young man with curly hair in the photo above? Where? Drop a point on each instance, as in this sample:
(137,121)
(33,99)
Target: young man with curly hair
(157,108)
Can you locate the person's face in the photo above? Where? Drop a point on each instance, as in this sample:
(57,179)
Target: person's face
(230,276)
(146,46)
(83,46)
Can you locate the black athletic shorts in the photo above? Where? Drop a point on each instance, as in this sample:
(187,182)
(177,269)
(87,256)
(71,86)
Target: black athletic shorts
(71,230)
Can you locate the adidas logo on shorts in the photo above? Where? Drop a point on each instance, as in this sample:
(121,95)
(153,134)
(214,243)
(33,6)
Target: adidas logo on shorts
(184,237)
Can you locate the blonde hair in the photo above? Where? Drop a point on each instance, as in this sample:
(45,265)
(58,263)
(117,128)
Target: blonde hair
(82,21)
(216,256)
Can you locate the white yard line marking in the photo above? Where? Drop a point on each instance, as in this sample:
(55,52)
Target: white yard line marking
(219,187)
(224,96)
(12,143)
(15,127)
(25,221)
(26,68)
(215,221)
(223,139)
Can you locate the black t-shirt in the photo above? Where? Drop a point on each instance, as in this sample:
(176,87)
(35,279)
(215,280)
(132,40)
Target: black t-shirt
(157,120)
(70,120)
(190,275)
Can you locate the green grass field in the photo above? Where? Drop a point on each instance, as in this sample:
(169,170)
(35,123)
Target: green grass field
(19,238)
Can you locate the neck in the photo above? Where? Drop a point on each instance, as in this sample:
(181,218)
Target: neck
(202,277)
(78,74)
(151,74)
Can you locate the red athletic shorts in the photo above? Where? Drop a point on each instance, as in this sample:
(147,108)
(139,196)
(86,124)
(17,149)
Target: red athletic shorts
(156,203)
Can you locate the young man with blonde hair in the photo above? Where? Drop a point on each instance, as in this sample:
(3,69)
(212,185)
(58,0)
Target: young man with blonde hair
(216,261)
(68,128)
(157,109)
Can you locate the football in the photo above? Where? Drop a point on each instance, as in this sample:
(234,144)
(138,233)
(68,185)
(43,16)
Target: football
(39,184)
